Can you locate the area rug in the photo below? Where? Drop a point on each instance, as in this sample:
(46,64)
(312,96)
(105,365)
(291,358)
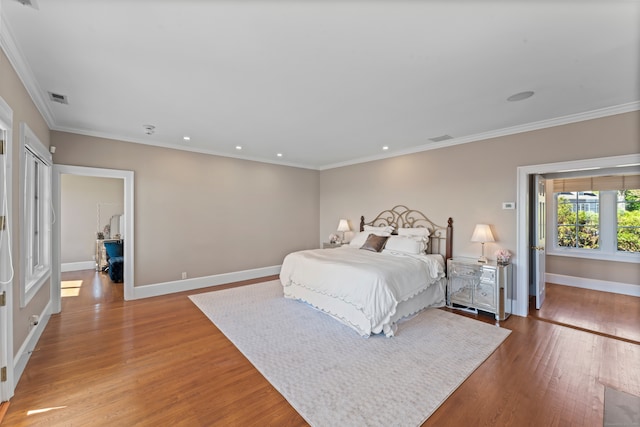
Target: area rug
(621,409)
(331,375)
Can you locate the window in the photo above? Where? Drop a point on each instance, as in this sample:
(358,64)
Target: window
(36,215)
(577,219)
(597,217)
(628,219)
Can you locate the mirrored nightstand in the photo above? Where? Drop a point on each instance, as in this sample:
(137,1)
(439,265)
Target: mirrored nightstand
(477,286)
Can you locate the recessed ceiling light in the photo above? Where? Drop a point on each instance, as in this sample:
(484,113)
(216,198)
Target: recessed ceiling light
(520,96)
(186,138)
(238,147)
(279,154)
(386,147)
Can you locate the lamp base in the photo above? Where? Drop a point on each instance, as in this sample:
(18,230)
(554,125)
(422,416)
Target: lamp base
(483,260)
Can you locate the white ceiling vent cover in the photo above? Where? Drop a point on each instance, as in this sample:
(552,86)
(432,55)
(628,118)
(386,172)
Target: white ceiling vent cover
(56,97)
(440,138)
(30,3)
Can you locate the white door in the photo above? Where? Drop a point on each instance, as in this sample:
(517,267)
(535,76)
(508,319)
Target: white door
(538,239)
(6,273)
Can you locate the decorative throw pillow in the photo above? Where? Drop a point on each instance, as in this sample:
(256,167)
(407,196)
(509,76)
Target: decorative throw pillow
(361,237)
(374,243)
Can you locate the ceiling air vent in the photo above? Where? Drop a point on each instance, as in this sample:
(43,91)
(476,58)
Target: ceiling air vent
(30,3)
(440,138)
(56,97)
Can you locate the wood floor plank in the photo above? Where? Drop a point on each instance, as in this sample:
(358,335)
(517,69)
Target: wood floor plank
(160,361)
(601,312)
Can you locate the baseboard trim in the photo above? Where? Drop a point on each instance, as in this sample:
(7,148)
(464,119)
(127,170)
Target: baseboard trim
(77,266)
(157,289)
(593,284)
(24,353)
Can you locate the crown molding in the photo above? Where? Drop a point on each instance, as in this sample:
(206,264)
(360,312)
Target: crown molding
(528,127)
(25,74)
(173,146)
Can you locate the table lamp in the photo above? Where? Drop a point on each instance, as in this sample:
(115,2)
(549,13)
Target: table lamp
(482,234)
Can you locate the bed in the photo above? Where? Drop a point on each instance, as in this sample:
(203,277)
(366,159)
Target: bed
(392,269)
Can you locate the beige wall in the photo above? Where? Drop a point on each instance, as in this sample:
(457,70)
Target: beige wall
(469,182)
(608,271)
(202,214)
(79,200)
(24,111)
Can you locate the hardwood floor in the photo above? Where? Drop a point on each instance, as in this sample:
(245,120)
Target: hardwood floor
(601,312)
(160,361)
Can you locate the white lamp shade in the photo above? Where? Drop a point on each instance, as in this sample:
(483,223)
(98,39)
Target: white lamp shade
(343,225)
(482,233)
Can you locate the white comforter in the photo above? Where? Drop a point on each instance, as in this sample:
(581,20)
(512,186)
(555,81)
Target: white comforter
(372,282)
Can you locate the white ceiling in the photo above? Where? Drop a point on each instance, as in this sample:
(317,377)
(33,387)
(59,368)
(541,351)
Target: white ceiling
(325,83)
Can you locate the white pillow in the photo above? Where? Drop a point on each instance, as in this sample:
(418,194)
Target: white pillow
(419,231)
(382,229)
(405,244)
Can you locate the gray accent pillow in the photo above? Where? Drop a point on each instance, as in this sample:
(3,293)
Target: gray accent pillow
(374,243)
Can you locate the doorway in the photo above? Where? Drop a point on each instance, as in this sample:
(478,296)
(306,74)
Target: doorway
(524,219)
(128,226)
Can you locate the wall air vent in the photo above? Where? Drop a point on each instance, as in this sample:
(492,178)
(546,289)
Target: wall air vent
(56,97)
(30,3)
(440,138)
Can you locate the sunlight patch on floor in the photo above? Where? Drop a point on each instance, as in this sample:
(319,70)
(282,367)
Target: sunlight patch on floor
(70,288)
(40,411)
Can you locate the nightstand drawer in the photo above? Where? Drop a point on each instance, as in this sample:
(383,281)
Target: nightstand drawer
(488,275)
(484,296)
(465,270)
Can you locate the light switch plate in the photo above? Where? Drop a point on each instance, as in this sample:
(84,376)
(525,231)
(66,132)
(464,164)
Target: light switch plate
(508,205)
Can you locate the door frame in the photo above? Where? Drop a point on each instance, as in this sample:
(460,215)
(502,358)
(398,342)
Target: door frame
(524,221)
(7,387)
(127,176)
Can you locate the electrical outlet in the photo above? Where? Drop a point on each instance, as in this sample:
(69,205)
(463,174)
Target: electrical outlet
(508,205)
(184,274)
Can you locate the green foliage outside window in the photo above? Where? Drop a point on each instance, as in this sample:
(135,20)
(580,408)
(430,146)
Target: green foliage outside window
(579,228)
(629,221)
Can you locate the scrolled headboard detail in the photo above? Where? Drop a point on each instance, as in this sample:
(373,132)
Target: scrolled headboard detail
(400,216)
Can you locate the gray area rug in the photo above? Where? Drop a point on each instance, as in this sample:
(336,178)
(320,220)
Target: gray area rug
(334,377)
(621,409)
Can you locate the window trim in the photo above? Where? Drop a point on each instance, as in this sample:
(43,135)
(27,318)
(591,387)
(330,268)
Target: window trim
(30,284)
(608,244)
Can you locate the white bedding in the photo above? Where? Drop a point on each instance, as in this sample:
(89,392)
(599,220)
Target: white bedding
(361,288)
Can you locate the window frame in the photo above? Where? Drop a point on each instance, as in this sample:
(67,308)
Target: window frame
(607,225)
(37,224)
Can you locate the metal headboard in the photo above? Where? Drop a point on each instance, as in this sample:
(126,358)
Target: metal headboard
(440,237)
